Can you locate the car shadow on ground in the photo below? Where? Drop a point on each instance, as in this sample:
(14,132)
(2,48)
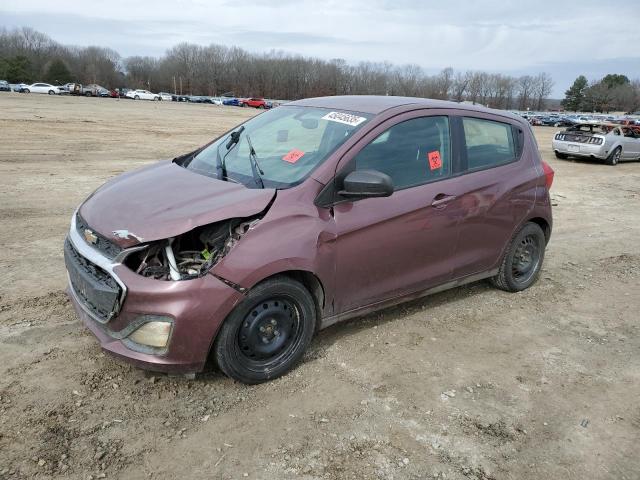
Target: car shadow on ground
(327,337)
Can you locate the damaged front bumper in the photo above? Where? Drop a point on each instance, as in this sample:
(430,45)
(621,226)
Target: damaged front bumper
(114,302)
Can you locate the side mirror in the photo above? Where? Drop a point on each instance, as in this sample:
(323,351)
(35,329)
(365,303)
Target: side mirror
(366,183)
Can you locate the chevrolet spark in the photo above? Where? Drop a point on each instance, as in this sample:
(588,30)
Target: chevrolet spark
(311,213)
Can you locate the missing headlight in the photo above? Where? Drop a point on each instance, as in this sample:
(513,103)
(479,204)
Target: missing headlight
(194,252)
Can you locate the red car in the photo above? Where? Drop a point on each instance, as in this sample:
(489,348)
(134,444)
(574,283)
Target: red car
(253,102)
(317,211)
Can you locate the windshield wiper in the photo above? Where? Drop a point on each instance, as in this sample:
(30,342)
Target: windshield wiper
(255,167)
(221,166)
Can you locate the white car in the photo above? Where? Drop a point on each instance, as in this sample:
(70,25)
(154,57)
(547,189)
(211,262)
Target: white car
(142,95)
(602,141)
(41,88)
(216,100)
(167,97)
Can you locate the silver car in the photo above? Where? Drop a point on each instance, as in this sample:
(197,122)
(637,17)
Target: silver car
(602,141)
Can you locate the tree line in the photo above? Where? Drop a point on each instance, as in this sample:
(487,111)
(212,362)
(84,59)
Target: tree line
(613,92)
(27,55)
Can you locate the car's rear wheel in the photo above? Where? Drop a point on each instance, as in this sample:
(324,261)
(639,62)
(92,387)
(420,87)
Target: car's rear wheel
(267,333)
(137,97)
(614,157)
(561,156)
(26,90)
(88,94)
(523,259)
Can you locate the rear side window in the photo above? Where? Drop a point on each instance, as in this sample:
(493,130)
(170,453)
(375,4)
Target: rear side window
(488,143)
(413,152)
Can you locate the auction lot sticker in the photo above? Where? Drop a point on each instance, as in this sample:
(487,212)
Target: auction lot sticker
(345,118)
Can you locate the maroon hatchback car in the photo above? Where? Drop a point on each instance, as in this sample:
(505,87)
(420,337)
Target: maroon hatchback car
(308,214)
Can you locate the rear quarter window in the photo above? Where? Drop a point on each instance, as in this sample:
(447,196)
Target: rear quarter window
(489,143)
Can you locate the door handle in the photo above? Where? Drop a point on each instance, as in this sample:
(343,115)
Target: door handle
(441,200)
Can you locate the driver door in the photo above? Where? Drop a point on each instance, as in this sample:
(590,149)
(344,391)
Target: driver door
(393,246)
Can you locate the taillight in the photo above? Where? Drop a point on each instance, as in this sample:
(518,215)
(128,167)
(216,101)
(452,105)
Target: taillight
(548,174)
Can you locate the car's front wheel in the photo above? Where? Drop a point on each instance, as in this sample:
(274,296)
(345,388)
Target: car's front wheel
(267,333)
(523,259)
(614,157)
(51,92)
(26,90)
(136,97)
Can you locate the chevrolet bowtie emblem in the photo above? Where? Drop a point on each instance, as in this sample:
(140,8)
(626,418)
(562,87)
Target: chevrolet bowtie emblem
(90,237)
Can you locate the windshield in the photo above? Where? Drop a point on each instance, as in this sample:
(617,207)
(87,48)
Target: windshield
(288,143)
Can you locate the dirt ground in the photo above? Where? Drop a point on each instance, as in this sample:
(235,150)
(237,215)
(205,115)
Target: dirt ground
(473,383)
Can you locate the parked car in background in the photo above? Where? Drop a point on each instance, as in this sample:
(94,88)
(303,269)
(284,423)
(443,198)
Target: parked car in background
(18,87)
(601,141)
(242,250)
(142,95)
(167,97)
(217,100)
(41,88)
(4,86)
(93,90)
(234,102)
(253,102)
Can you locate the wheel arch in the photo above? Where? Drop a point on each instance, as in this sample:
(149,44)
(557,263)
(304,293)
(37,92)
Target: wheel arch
(543,224)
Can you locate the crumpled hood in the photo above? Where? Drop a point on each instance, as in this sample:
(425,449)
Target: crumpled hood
(165,200)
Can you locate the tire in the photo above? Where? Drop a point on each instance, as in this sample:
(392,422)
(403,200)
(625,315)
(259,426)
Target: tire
(267,333)
(523,259)
(51,92)
(137,97)
(26,90)
(614,157)
(562,156)
(88,94)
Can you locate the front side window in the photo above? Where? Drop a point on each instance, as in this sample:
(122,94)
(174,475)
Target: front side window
(412,152)
(488,143)
(288,142)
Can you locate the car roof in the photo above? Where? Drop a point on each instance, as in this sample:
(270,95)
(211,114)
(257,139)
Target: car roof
(376,104)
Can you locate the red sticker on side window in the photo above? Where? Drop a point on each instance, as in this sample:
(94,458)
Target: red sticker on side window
(293,156)
(435,162)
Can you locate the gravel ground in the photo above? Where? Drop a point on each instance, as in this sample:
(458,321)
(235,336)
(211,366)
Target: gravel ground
(472,383)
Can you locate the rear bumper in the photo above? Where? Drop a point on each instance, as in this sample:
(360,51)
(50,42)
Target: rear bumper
(590,151)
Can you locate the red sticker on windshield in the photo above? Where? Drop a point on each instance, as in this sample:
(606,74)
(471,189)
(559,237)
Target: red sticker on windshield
(435,162)
(293,156)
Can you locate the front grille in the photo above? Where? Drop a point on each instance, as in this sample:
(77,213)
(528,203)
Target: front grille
(98,291)
(570,137)
(105,246)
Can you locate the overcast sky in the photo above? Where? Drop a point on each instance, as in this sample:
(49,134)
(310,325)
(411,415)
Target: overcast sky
(564,38)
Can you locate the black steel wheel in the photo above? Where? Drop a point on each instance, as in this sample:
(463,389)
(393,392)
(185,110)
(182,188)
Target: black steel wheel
(614,157)
(267,333)
(523,259)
